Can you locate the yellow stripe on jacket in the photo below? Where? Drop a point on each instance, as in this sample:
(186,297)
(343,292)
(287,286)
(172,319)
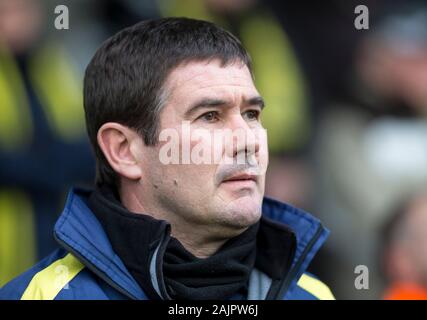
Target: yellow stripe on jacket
(315,287)
(46,284)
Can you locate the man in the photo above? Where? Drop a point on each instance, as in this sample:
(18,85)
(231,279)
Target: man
(164,223)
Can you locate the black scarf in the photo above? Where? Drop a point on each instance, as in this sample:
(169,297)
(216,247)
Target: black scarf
(219,276)
(266,245)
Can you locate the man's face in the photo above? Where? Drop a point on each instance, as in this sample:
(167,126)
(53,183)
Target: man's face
(217,179)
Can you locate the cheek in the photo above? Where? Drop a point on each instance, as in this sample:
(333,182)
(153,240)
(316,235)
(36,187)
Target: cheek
(189,184)
(182,172)
(263,151)
(197,176)
(194,180)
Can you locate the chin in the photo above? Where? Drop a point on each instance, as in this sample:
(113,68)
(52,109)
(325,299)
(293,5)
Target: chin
(242,212)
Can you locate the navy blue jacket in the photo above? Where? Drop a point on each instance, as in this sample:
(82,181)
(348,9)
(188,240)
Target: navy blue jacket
(86,267)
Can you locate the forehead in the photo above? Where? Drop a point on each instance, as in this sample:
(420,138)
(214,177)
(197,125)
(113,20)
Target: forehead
(210,77)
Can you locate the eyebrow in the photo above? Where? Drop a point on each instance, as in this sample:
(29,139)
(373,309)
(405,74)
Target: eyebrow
(209,103)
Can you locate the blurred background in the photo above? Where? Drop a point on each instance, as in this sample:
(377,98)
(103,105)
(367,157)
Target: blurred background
(346,119)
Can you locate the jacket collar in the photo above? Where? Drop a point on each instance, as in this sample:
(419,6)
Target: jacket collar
(310,236)
(80,232)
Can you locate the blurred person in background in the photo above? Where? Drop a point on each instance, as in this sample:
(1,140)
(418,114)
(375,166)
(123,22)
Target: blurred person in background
(372,141)
(43,147)
(404,251)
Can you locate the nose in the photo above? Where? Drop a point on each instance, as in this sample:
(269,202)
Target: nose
(244,140)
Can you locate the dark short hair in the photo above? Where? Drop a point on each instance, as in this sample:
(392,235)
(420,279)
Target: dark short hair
(123,82)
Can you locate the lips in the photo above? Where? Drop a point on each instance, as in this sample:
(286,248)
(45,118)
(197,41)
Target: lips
(241,177)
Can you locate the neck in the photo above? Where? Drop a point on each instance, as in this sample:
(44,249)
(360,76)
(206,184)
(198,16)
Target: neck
(198,247)
(200,240)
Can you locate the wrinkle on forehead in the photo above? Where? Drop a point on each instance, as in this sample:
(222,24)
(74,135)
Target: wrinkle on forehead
(198,75)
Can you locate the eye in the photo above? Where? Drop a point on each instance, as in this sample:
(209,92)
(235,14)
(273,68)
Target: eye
(251,115)
(211,116)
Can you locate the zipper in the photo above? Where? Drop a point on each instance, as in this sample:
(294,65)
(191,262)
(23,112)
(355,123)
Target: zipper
(284,284)
(94,269)
(158,262)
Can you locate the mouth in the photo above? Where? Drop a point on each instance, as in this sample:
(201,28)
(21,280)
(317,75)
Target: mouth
(241,180)
(241,177)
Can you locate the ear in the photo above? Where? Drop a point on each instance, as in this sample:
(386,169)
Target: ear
(120,146)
